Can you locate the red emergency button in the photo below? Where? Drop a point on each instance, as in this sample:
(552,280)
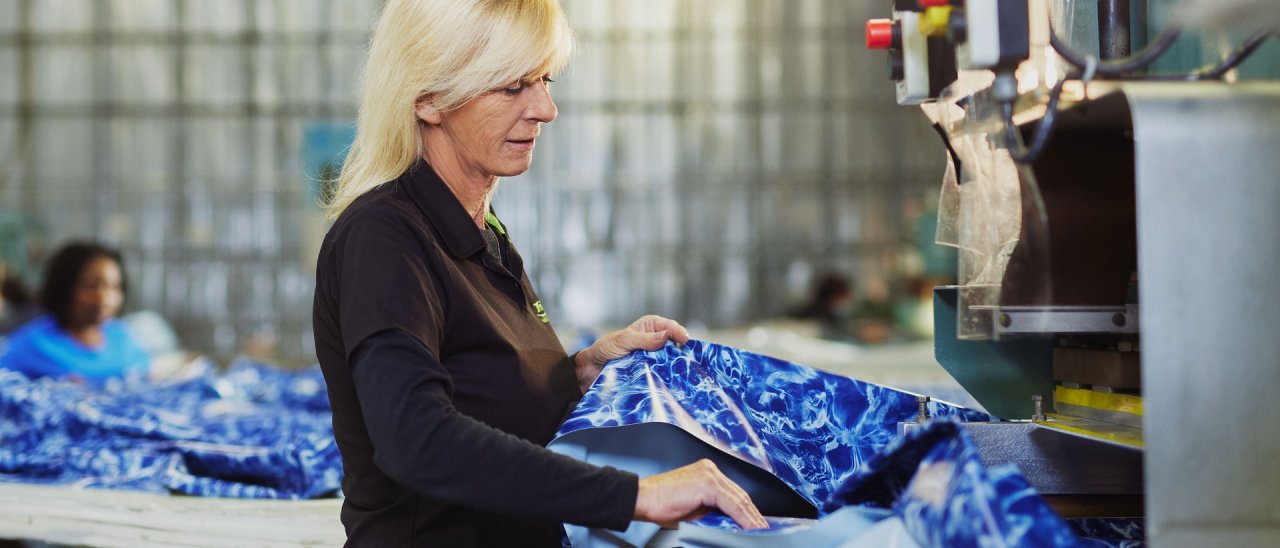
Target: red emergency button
(879,34)
(932,3)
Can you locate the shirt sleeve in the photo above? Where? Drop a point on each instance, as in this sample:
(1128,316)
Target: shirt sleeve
(423,443)
(24,356)
(383,284)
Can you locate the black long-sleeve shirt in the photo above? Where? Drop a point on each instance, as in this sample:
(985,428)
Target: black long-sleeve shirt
(445,378)
(405,395)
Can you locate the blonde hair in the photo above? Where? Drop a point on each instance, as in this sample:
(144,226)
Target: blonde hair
(451,51)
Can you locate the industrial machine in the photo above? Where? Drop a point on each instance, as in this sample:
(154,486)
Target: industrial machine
(1118,296)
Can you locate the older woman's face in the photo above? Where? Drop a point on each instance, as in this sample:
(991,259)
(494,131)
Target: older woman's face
(98,293)
(493,134)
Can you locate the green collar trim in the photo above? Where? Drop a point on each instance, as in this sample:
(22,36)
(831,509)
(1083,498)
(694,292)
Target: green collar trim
(492,220)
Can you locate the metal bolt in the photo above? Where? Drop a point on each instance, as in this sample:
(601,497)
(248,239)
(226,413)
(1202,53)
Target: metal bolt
(1005,87)
(1038,416)
(1118,319)
(923,414)
(1005,320)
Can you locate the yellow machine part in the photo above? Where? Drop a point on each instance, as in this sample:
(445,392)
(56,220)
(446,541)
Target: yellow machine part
(1127,404)
(1104,431)
(1119,403)
(934,21)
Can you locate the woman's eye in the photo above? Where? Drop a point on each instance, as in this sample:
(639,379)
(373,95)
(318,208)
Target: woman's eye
(520,86)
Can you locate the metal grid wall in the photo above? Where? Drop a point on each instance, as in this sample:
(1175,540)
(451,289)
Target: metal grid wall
(709,158)
(712,157)
(172,129)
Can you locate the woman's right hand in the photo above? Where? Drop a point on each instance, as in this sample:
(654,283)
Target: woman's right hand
(690,491)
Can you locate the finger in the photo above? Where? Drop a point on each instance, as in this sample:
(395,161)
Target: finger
(739,497)
(729,497)
(755,520)
(677,332)
(652,323)
(744,512)
(639,340)
(646,321)
(620,343)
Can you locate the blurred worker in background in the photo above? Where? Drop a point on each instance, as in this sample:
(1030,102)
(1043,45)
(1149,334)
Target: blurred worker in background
(79,337)
(841,316)
(831,303)
(445,376)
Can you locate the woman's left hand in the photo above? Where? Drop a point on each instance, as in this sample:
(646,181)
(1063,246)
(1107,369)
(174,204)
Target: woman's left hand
(647,333)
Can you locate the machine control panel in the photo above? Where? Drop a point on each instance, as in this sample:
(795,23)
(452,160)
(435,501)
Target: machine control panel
(927,39)
(921,62)
(994,34)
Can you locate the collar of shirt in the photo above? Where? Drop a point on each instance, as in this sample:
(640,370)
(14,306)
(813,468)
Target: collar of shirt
(443,210)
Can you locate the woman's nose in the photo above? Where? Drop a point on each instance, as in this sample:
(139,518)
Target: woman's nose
(541,107)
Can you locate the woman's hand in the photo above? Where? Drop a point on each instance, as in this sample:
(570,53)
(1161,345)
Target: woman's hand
(689,492)
(647,333)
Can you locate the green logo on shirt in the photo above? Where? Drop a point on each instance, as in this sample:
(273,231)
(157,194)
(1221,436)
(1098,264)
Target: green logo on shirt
(542,314)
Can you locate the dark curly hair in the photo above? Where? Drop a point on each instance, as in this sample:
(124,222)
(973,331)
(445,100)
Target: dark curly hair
(64,271)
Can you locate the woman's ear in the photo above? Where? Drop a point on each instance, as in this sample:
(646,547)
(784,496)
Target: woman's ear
(426,110)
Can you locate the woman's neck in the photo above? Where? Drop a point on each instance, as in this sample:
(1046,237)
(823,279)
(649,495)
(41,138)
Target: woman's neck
(473,190)
(90,335)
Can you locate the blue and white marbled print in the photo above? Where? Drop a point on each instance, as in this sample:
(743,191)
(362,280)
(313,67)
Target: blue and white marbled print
(935,481)
(832,439)
(1111,532)
(836,529)
(809,428)
(253,432)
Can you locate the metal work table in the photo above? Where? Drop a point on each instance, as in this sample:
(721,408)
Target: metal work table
(100,517)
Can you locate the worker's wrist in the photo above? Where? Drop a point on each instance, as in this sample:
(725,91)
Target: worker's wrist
(582,359)
(583,371)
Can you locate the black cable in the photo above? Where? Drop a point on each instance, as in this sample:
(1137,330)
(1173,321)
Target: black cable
(1117,67)
(1239,55)
(1162,43)
(955,158)
(1216,72)
(1041,137)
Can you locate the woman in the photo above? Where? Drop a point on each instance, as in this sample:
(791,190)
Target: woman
(444,375)
(79,337)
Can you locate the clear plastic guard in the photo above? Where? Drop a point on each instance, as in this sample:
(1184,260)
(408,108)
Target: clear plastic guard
(988,212)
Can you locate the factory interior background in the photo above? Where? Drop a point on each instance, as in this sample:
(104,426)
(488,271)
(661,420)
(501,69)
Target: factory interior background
(715,162)
(709,162)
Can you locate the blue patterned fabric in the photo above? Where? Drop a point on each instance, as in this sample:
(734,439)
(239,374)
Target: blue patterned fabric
(831,439)
(935,481)
(809,428)
(1113,532)
(252,432)
(835,529)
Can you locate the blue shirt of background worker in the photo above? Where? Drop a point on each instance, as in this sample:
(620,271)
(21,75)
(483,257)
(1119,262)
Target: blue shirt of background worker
(42,349)
(79,338)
